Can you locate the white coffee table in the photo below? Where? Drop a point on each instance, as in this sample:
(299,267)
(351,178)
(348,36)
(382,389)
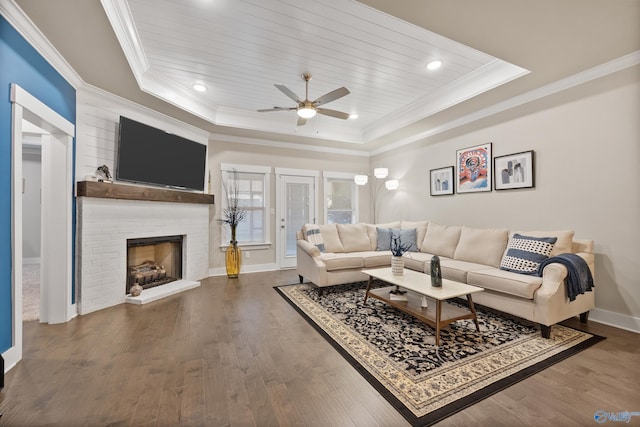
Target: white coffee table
(418,285)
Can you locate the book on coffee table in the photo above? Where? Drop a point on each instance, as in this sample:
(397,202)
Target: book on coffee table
(397,297)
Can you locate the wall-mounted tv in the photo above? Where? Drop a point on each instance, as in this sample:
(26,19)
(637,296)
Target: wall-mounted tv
(147,155)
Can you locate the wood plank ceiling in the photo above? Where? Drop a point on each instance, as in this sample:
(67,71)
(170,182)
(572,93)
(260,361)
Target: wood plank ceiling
(240,49)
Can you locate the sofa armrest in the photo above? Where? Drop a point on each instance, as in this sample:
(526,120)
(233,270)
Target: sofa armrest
(552,304)
(308,248)
(554,274)
(309,263)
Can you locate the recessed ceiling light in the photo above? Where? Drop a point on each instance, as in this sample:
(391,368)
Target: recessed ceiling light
(353,116)
(435,64)
(199,87)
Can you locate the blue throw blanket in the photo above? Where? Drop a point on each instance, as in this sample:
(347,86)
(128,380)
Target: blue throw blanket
(579,279)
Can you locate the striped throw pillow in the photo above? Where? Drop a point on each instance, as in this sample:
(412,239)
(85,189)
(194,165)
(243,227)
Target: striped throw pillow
(315,237)
(525,253)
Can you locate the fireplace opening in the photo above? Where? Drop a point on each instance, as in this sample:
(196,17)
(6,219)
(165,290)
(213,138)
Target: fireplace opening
(153,261)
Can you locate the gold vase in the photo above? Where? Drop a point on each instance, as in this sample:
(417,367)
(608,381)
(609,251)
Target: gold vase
(233,258)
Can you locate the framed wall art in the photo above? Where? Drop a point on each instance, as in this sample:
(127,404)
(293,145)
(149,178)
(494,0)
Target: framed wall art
(442,181)
(473,169)
(514,171)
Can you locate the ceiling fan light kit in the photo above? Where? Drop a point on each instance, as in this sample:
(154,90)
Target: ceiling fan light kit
(306,113)
(306,108)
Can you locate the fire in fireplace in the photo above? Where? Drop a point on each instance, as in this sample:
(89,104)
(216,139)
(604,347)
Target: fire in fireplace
(153,261)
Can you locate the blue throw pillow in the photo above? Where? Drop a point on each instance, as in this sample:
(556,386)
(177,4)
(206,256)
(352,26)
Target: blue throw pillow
(408,236)
(525,253)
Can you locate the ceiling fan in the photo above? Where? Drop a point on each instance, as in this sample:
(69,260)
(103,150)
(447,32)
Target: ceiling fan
(307,109)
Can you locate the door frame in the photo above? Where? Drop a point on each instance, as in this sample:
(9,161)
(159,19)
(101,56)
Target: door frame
(59,305)
(280,201)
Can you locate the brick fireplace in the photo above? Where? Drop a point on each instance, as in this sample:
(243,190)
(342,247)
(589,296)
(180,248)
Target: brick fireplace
(106,224)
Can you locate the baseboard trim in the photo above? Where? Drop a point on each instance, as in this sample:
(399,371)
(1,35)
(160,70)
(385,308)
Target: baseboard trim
(621,321)
(257,268)
(11,358)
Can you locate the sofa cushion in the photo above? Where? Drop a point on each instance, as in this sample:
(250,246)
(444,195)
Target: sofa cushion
(342,261)
(482,245)
(563,245)
(520,285)
(373,259)
(331,238)
(457,270)
(418,261)
(354,237)
(525,253)
(440,240)
(372,230)
(421,230)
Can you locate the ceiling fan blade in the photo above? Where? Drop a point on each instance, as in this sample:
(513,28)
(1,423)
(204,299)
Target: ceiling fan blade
(289,93)
(277,109)
(333,113)
(301,121)
(331,96)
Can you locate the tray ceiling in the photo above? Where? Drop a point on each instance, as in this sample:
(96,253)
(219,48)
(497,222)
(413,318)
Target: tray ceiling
(240,49)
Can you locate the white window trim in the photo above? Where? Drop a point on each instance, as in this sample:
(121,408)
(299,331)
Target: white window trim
(266,170)
(326,175)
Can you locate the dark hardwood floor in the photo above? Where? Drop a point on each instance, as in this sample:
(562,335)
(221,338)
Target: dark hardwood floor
(235,353)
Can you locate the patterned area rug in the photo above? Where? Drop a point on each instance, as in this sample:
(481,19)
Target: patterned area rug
(396,353)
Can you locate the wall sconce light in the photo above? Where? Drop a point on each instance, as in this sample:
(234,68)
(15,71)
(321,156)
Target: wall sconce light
(392,184)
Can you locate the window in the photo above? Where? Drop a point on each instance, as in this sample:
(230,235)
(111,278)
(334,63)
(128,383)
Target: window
(253,193)
(340,198)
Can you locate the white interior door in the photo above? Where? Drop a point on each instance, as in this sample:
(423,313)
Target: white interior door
(296,196)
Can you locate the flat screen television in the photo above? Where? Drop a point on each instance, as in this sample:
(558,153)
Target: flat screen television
(148,155)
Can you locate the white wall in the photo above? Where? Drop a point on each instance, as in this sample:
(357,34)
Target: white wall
(31,173)
(221,151)
(587,146)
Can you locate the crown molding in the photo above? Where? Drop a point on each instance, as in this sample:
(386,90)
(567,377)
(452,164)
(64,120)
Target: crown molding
(121,20)
(495,73)
(577,79)
(286,145)
(28,30)
(317,127)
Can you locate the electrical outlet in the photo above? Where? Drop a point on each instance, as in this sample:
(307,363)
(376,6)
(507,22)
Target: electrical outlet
(247,254)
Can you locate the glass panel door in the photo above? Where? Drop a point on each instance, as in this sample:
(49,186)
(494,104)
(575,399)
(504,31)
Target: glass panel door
(296,209)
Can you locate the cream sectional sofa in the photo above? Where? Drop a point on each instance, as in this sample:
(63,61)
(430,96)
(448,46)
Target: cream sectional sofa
(467,255)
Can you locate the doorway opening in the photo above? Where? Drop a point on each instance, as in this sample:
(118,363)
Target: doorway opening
(56,272)
(31,220)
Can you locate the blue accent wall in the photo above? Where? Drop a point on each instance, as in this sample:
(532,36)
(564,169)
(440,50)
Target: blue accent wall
(20,63)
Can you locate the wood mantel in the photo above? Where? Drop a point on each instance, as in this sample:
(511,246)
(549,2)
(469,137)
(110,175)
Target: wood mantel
(134,192)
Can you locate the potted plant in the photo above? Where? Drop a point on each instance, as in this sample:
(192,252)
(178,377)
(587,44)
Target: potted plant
(397,250)
(232,215)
